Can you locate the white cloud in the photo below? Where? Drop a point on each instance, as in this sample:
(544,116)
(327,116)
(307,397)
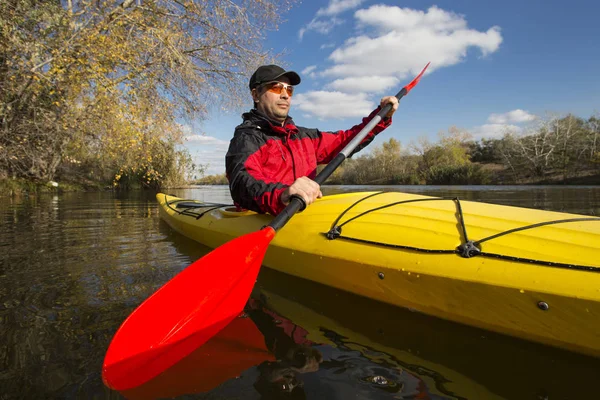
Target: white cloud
(338,6)
(327,46)
(373,84)
(208,150)
(206,140)
(494,131)
(501,124)
(310,71)
(394,44)
(301,33)
(392,18)
(515,116)
(324,104)
(320,26)
(402,41)
(325,19)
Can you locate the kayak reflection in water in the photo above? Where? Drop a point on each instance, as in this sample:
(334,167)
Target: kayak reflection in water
(258,337)
(293,352)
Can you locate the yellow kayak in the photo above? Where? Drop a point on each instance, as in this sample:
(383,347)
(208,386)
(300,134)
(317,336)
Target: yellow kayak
(454,361)
(528,273)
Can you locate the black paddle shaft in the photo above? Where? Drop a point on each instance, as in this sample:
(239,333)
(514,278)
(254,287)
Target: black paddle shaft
(296,203)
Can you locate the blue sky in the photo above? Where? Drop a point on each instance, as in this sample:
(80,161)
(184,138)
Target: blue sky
(495,65)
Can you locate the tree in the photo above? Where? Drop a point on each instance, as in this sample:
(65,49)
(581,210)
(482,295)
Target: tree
(452,149)
(592,147)
(484,151)
(109,85)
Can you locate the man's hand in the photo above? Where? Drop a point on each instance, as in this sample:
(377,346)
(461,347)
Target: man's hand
(393,101)
(304,187)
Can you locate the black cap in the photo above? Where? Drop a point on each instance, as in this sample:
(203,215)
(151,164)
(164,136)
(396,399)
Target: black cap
(269,73)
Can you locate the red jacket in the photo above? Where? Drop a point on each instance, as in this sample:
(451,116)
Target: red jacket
(264,159)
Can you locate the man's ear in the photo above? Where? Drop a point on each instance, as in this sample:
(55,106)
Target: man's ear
(255,95)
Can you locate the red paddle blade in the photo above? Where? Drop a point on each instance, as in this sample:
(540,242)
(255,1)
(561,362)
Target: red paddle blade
(414,82)
(237,347)
(187,311)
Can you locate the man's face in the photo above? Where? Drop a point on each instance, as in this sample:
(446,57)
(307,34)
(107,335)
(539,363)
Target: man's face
(274,105)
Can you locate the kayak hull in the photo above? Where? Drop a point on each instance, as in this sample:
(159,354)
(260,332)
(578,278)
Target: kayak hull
(401,254)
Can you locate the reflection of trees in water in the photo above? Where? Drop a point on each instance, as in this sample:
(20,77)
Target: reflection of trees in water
(73,267)
(77,265)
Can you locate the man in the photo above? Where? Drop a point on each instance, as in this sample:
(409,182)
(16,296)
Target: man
(271,159)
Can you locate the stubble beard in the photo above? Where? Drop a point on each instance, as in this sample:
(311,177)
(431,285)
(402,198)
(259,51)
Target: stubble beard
(278,114)
(281,114)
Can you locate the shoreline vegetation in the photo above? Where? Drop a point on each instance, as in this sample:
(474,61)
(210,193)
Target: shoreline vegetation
(566,155)
(556,150)
(98,96)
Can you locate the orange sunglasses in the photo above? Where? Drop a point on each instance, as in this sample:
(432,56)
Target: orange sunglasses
(278,87)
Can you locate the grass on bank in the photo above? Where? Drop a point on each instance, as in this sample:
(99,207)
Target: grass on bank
(20,186)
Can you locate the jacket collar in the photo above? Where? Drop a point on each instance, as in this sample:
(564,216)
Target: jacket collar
(263,122)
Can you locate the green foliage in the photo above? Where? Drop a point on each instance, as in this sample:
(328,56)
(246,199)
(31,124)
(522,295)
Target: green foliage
(100,89)
(444,155)
(467,174)
(386,165)
(484,151)
(564,145)
(220,179)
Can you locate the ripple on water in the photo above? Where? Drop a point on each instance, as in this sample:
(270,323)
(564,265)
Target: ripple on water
(74,266)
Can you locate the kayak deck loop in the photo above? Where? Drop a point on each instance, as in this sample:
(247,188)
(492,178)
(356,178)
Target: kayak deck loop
(557,221)
(189,205)
(468,248)
(336,229)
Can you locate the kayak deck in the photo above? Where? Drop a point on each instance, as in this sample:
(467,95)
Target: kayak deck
(535,278)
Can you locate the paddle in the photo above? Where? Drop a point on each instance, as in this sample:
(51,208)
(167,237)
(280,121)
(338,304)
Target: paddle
(203,298)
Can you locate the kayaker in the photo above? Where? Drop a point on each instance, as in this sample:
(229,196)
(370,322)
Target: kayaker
(271,159)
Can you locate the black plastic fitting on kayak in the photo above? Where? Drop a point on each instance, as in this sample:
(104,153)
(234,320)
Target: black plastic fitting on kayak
(334,233)
(468,249)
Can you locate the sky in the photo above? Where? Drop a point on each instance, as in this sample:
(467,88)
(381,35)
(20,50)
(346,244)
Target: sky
(495,66)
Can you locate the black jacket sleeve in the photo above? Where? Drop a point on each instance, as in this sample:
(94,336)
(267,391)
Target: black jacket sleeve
(247,183)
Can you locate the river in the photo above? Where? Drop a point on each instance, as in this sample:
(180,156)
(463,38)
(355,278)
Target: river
(73,266)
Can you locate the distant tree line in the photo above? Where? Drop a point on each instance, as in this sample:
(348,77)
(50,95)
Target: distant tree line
(558,147)
(99,89)
(553,150)
(220,179)
(434,163)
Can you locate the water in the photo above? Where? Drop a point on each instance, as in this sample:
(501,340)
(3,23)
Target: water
(72,268)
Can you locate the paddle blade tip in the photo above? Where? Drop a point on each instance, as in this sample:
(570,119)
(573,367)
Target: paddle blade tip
(186,311)
(416,80)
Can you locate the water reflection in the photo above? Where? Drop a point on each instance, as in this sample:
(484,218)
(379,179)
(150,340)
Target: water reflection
(275,346)
(272,357)
(363,339)
(373,350)
(74,266)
